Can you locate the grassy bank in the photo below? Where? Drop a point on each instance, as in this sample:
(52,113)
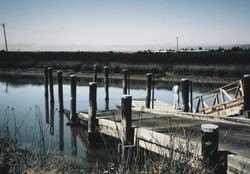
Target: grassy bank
(220,64)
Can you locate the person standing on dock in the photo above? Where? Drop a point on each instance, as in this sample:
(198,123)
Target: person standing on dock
(176,92)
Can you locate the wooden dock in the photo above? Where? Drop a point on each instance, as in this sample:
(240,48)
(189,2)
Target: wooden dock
(154,130)
(204,132)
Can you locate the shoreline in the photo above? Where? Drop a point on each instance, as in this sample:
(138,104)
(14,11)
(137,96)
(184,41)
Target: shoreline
(167,77)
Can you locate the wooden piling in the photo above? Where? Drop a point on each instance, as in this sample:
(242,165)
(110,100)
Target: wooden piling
(106,86)
(46,93)
(106,82)
(191,95)
(92,122)
(92,107)
(246,89)
(153,91)
(126,116)
(128,148)
(60,90)
(185,95)
(51,90)
(148,89)
(209,142)
(73,116)
(95,73)
(129,83)
(125,81)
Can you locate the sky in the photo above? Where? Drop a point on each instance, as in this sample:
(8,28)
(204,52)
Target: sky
(122,25)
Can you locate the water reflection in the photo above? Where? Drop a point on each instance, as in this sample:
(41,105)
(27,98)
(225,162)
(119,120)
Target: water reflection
(17,81)
(74,140)
(106,104)
(47,110)
(6,89)
(52,107)
(61,131)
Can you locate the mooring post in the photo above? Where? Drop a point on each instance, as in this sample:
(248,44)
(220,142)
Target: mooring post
(73,116)
(209,142)
(95,73)
(46,93)
(51,90)
(153,91)
(191,95)
(129,83)
(185,95)
(148,89)
(60,89)
(92,107)
(127,119)
(246,89)
(60,112)
(106,86)
(92,122)
(128,131)
(125,81)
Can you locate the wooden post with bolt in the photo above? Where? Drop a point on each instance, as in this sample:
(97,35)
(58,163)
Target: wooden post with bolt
(185,95)
(125,81)
(209,142)
(51,90)
(106,86)
(60,90)
(95,73)
(46,93)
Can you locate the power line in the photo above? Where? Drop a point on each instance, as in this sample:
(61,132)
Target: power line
(5,38)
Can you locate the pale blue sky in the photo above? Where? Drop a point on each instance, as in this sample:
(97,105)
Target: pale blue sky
(123,24)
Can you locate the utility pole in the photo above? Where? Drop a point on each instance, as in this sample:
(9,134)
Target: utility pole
(177,46)
(6,45)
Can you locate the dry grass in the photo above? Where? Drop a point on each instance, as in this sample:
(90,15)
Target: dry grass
(59,164)
(14,159)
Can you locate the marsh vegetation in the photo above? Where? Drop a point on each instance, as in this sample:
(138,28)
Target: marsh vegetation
(234,64)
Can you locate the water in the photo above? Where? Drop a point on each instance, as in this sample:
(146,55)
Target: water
(22,110)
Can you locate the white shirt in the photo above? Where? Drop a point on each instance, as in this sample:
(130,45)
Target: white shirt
(175,89)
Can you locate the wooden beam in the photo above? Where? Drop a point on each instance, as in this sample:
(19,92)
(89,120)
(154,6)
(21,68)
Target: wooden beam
(110,128)
(167,141)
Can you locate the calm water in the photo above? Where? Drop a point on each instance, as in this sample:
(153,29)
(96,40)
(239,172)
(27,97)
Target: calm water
(22,109)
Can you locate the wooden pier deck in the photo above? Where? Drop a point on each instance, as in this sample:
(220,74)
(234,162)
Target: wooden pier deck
(154,127)
(233,136)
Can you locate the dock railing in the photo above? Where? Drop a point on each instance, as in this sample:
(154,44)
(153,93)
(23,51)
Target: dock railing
(225,100)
